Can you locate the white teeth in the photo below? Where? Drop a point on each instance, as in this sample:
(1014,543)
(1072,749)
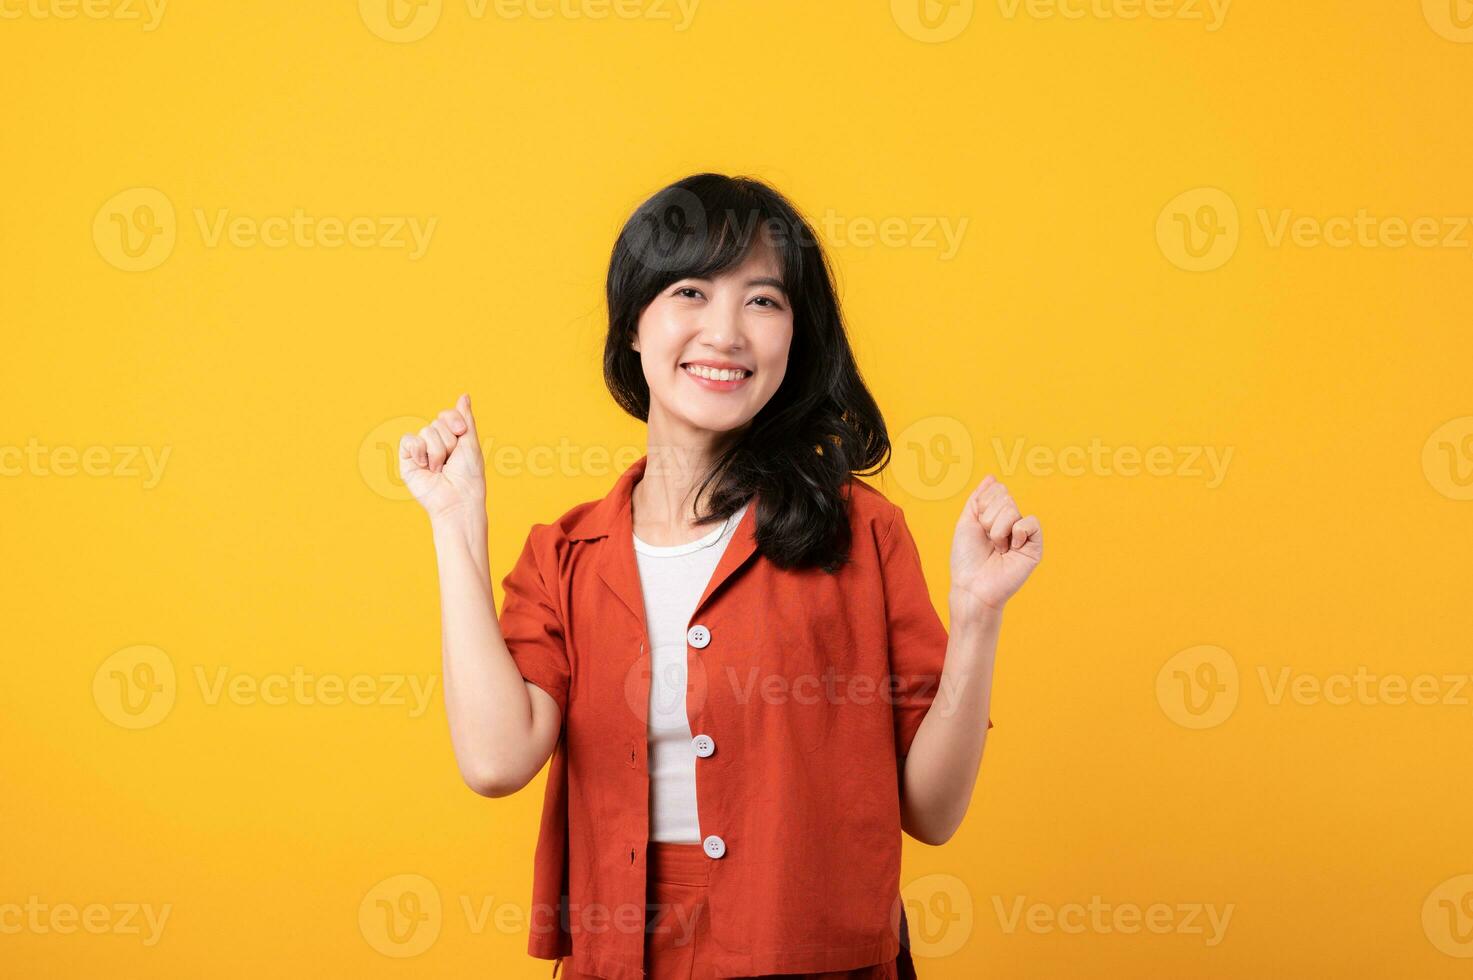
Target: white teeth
(715,375)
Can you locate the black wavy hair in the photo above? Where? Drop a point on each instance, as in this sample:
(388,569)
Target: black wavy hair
(820,427)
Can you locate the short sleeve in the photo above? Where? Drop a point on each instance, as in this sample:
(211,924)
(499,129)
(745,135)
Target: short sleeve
(532,628)
(917,639)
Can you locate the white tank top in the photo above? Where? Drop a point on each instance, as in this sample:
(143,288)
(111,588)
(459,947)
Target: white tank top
(673,577)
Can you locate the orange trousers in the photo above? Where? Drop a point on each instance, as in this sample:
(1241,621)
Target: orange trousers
(677,942)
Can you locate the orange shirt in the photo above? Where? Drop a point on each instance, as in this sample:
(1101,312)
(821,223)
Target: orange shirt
(804,692)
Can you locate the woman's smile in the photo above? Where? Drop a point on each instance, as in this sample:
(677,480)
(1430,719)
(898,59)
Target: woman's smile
(726,377)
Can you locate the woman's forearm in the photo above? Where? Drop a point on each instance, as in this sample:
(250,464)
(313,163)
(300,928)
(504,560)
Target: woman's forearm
(500,739)
(940,771)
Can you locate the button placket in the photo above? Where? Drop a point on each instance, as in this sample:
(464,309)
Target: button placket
(699,636)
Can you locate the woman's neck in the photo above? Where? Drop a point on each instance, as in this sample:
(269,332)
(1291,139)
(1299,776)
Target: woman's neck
(664,498)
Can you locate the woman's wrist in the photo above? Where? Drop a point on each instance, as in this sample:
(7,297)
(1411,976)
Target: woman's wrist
(465,524)
(968,610)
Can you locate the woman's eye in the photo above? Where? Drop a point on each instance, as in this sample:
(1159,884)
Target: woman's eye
(684,290)
(771,303)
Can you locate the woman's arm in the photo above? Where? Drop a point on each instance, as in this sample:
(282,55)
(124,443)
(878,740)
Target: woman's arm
(502,728)
(993,552)
(940,771)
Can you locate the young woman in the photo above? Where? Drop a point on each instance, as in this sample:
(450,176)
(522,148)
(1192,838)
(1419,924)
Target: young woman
(732,658)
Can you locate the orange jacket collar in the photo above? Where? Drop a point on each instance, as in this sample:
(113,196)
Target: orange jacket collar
(613,518)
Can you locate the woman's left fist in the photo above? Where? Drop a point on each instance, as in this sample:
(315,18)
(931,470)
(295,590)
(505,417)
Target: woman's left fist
(993,552)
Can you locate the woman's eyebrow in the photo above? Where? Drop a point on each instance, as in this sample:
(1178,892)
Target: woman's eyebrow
(766,281)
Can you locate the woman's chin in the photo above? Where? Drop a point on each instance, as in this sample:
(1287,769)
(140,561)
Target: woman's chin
(718,424)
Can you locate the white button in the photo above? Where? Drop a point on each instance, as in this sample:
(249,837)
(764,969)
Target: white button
(704,745)
(698,636)
(715,846)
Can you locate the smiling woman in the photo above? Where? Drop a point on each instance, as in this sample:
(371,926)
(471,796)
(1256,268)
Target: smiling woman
(674,647)
(725,273)
(746,300)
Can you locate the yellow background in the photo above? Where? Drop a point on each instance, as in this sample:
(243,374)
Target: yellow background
(276,378)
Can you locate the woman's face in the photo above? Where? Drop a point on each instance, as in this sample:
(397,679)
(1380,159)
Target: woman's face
(734,329)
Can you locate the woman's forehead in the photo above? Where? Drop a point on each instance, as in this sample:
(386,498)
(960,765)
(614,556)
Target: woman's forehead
(761,260)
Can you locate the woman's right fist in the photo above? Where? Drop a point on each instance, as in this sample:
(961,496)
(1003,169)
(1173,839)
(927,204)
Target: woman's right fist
(442,464)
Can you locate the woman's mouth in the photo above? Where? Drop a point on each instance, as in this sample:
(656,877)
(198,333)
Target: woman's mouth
(716,379)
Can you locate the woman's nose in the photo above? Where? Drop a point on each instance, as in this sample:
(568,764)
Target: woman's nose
(721,327)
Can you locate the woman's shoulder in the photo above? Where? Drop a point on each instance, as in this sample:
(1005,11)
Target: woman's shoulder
(578,521)
(870,510)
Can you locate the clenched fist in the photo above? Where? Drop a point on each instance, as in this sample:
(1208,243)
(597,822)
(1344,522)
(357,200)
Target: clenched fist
(442,465)
(993,551)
